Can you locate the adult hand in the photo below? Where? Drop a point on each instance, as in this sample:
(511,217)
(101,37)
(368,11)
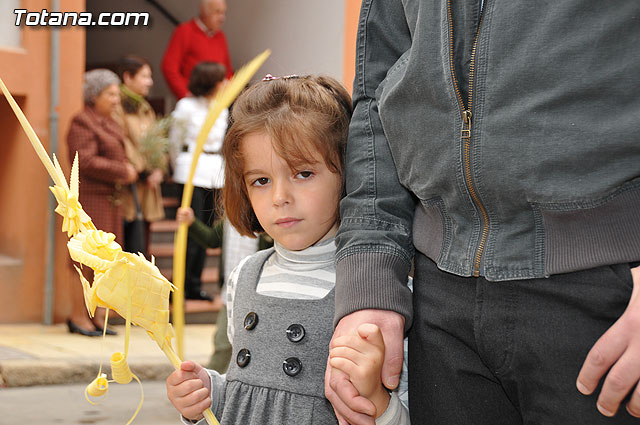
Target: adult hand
(349,405)
(618,352)
(132,174)
(155,178)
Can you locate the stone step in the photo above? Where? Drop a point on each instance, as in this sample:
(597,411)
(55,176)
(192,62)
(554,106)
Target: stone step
(170,202)
(165,249)
(167,262)
(209,274)
(164,256)
(163,231)
(201,312)
(166,225)
(162,237)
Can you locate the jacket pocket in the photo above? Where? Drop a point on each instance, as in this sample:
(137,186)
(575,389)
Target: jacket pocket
(429,228)
(623,274)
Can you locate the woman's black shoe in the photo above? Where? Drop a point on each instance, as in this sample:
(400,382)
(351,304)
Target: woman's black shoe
(109,331)
(75,329)
(202,295)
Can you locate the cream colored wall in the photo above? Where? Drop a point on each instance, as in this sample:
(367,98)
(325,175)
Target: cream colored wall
(9,32)
(304,36)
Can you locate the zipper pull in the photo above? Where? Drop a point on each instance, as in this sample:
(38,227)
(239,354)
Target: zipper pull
(465,133)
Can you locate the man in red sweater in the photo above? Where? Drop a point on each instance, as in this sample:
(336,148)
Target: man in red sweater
(200,39)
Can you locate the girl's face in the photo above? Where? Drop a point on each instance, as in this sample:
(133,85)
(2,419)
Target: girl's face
(296,208)
(141,82)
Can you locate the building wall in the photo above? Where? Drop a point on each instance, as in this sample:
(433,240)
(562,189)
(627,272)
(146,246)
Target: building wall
(25,210)
(351,15)
(304,36)
(72,66)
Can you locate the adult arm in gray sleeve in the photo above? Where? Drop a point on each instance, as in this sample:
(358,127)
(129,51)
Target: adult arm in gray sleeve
(374,242)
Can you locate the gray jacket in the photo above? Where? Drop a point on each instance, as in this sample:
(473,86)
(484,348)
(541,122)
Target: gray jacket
(510,153)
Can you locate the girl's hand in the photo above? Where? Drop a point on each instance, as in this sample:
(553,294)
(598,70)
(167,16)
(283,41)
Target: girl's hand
(349,405)
(189,390)
(360,356)
(185,215)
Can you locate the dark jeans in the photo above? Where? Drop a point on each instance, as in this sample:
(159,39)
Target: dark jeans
(203,204)
(509,352)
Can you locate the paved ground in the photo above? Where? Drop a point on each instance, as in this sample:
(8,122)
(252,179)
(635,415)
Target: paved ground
(65,404)
(49,355)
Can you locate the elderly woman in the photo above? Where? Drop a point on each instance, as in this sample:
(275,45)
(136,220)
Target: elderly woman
(104,168)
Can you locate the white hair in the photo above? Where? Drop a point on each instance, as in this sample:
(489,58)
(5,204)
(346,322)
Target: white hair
(95,81)
(206,4)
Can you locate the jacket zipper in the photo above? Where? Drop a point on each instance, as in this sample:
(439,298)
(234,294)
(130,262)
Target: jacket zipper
(465,134)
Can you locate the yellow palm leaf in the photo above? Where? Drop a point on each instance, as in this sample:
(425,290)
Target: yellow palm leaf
(222,101)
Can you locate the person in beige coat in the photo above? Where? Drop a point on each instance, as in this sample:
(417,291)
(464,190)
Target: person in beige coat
(137,118)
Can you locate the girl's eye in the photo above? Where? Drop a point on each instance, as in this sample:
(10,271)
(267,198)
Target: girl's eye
(261,181)
(304,174)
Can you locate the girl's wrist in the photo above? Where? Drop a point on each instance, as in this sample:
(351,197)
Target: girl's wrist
(381,400)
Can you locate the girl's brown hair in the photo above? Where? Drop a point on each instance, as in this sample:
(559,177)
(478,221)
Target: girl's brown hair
(300,115)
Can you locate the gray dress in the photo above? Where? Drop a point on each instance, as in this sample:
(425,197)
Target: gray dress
(280,350)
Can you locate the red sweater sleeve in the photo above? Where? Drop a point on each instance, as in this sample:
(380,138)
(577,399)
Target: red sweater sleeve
(227,58)
(171,61)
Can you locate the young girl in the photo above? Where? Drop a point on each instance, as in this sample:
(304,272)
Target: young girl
(283,176)
(204,82)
